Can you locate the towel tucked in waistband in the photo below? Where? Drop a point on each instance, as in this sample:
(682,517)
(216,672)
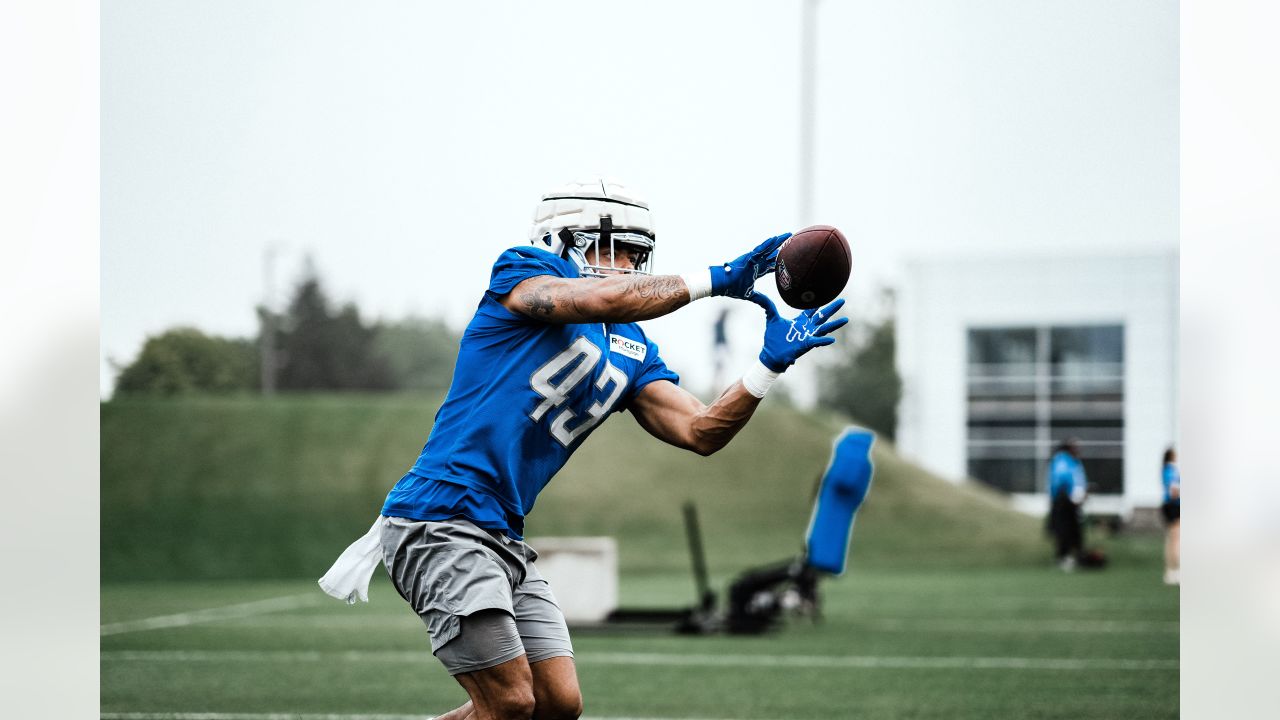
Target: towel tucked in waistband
(348,579)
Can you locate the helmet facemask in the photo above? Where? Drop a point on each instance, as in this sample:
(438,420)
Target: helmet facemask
(609,245)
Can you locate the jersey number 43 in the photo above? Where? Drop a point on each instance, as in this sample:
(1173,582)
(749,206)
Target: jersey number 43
(571,366)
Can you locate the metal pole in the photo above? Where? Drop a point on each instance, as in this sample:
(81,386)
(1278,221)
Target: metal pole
(805,377)
(706,598)
(808,80)
(268,339)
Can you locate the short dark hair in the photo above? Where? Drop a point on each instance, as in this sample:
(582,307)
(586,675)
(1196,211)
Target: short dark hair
(1168,455)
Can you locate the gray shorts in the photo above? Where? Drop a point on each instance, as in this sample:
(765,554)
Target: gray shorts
(450,571)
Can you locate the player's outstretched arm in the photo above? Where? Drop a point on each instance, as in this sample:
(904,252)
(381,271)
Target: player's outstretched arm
(675,416)
(630,298)
(620,298)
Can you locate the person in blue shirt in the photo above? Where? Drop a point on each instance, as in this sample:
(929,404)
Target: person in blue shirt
(553,349)
(1171,508)
(1067,490)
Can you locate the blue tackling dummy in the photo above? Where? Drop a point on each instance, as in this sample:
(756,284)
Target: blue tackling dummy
(844,485)
(758,596)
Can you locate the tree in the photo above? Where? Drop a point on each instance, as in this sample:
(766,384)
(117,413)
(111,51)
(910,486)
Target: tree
(421,352)
(321,348)
(317,346)
(865,384)
(185,360)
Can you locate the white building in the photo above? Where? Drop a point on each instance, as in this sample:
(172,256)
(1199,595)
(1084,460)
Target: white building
(1002,358)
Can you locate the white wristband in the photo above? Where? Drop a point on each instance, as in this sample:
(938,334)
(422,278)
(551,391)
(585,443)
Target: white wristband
(758,379)
(699,284)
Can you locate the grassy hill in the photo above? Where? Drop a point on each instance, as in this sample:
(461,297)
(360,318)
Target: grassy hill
(252,488)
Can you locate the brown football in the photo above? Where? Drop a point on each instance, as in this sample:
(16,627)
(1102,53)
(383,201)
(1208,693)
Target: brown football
(813,267)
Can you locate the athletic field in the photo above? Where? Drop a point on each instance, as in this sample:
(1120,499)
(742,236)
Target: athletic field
(1018,643)
(218,514)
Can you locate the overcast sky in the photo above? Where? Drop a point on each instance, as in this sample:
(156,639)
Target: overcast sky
(404,145)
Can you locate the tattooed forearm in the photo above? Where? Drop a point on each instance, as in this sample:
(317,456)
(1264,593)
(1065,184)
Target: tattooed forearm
(611,299)
(545,301)
(660,287)
(537,302)
(572,298)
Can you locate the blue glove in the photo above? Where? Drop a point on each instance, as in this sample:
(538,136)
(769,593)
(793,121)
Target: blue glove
(786,340)
(737,278)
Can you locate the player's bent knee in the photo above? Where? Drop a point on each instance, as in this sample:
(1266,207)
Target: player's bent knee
(555,686)
(560,706)
(515,704)
(561,703)
(513,701)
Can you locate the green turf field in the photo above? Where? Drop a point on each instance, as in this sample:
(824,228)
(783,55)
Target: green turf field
(979,643)
(218,513)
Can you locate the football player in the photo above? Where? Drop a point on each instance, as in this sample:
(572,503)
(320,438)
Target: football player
(554,349)
(1067,491)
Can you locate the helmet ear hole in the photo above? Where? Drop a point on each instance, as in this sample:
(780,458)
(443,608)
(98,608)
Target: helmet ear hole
(567,239)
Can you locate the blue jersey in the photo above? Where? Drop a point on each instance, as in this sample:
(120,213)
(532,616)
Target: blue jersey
(1171,479)
(1066,474)
(525,395)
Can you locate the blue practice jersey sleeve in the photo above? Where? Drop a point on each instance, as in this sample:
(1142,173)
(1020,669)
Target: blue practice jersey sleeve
(651,370)
(519,264)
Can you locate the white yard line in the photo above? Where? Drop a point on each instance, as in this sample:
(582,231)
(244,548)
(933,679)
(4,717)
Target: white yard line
(253,716)
(307,716)
(243,656)
(225,612)
(1086,603)
(408,621)
(817,662)
(1078,603)
(960,625)
(879,661)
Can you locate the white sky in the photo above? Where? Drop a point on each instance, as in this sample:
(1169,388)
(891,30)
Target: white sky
(404,145)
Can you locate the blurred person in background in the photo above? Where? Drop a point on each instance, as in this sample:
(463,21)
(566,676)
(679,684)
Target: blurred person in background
(1171,508)
(719,349)
(1067,490)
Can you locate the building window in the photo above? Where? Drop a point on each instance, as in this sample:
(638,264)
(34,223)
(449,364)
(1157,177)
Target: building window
(1030,388)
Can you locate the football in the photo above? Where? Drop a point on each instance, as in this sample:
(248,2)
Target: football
(813,267)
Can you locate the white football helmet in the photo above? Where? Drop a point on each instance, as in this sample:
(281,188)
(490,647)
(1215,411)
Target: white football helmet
(572,218)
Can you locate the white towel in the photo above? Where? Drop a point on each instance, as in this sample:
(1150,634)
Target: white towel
(348,579)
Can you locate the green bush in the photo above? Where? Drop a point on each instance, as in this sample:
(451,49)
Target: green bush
(865,385)
(184,360)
